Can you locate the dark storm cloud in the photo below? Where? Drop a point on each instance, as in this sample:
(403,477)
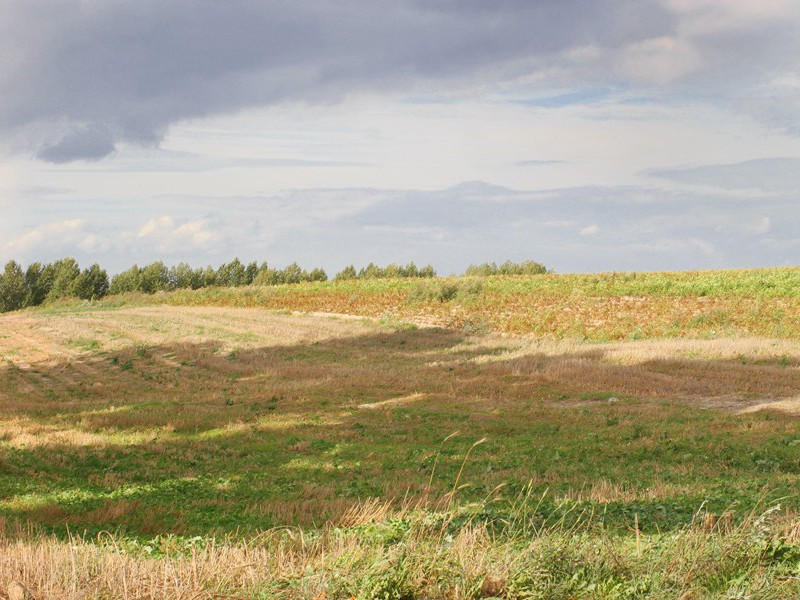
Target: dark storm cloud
(105,71)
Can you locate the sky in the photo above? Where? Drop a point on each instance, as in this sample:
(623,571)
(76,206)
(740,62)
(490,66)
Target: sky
(590,135)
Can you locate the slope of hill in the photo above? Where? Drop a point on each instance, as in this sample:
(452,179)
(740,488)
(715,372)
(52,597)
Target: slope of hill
(201,449)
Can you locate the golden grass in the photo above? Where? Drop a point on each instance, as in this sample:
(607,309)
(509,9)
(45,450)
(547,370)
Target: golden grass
(167,389)
(288,564)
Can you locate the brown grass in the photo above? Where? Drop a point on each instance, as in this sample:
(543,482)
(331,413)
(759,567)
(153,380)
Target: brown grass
(167,383)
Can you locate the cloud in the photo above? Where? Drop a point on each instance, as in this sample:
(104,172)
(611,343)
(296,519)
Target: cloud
(590,230)
(767,174)
(539,163)
(570,229)
(87,143)
(162,233)
(46,235)
(97,74)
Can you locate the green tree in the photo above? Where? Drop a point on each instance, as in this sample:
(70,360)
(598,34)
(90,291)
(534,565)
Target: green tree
(154,278)
(427,271)
(293,274)
(231,274)
(65,272)
(349,272)
(128,280)
(265,275)
(38,283)
(13,289)
(182,276)
(318,275)
(250,273)
(91,284)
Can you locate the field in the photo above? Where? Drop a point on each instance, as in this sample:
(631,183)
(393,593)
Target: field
(616,436)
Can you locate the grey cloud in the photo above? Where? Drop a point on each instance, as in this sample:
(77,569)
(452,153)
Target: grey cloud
(102,72)
(87,143)
(126,70)
(172,161)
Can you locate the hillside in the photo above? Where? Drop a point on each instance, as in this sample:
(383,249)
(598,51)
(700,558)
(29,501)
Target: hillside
(201,445)
(602,307)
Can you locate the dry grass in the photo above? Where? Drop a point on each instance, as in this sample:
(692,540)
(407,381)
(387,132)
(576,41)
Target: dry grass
(705,559)
(303,452)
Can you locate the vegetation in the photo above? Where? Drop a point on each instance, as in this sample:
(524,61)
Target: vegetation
(527,267)
(157,277)
(184,444)
(597,307)
(217,452)
(38,283)
(391,271)
(62,279)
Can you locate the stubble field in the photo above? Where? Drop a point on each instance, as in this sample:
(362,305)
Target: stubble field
(169,450)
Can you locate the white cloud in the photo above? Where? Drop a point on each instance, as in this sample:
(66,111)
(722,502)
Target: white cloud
(164,234)
(46,235)
(590,230)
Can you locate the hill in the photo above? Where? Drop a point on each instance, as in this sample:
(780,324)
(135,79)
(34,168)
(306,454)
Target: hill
(234,443)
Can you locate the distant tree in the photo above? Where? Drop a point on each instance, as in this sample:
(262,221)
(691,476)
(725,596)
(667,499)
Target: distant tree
(91,284)
(126,281)
(318,275)
(154,278)
(209,277)
(427,271)
(349,272)
(250,272)
(527,267)
(390,271)
(371,271)
(65,272)
(411,270)
(265,275)
(231,274)
(182,276)
(37,283)
(293,274)
(13,289)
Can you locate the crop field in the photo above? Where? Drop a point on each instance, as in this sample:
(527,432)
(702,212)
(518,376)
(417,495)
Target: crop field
(614,436)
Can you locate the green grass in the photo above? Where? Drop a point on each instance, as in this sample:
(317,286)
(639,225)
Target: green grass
(602,307)
(179,431)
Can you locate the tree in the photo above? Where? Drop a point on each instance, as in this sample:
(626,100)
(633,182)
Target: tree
(91,284)
(318,275)
(38,283)
(231,274)
(427,271)
(265,275)
(349,272)
(13,290)
(65,272)
(126,281)
(154,278)
(293,274)
(182,276)
(250,273)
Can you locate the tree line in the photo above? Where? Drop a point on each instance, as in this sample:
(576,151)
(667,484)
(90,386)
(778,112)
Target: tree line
(40,283)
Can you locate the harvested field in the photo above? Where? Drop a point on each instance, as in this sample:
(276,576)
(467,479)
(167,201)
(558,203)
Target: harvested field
(171,438)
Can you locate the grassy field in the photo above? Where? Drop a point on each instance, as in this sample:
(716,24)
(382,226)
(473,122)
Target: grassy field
(644,442)
(599,308)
